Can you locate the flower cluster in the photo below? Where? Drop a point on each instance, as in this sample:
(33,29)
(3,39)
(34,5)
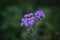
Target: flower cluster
(30,19)
(39,14)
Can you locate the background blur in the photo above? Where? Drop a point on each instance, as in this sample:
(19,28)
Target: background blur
(12,11)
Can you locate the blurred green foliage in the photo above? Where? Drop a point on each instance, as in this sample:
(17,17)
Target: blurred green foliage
(12,11)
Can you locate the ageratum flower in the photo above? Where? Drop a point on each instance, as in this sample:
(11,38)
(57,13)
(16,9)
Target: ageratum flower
(39,14)
(28,20)
(31,21)
(24,22)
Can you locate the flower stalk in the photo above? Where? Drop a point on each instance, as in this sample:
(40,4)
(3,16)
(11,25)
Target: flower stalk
(30,20)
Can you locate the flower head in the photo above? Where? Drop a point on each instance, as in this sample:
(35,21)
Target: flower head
(28,20)
(39,14)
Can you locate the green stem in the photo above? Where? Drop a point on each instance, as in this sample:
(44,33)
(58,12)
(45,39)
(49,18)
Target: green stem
(28,36)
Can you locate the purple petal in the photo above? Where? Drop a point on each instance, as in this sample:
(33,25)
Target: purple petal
(33,18)
(26,25)
(23,19)
(26,15)
(30,22)
(24,22)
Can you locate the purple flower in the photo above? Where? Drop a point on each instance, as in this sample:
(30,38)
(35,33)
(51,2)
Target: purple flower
(31,23)
(33,18)
(39,14)
(28,15)
(23,19)
(30,19)
(28,22)
(26,25)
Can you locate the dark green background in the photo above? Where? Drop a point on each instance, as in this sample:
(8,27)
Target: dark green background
(12,11)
